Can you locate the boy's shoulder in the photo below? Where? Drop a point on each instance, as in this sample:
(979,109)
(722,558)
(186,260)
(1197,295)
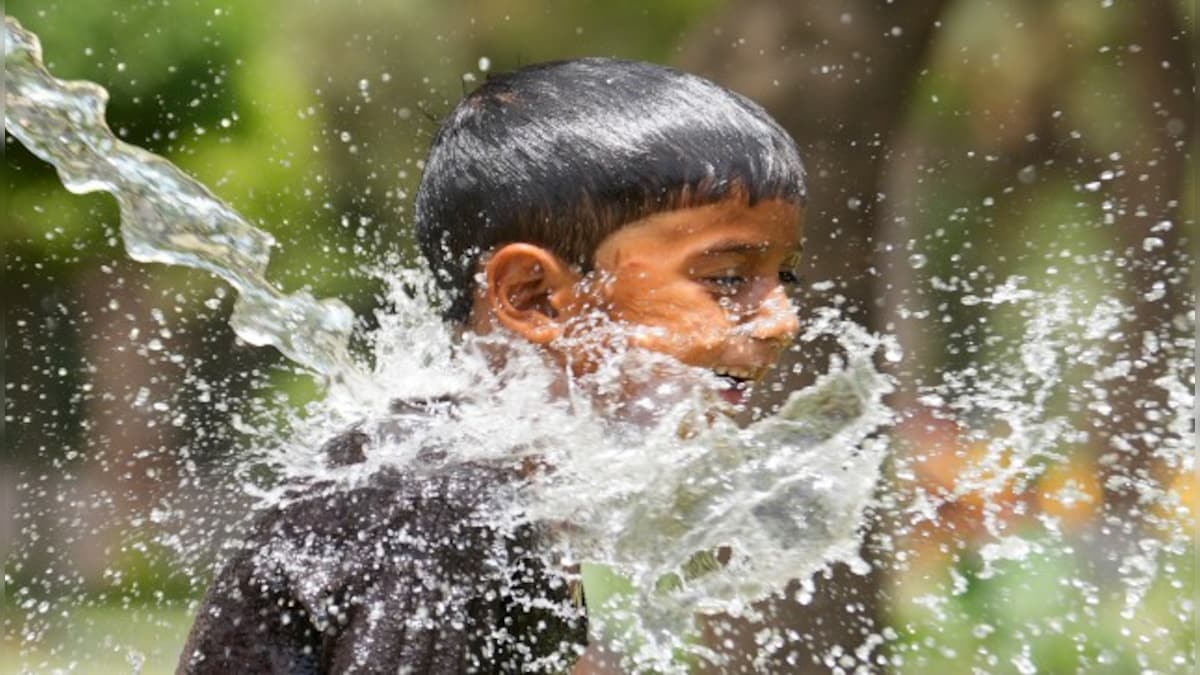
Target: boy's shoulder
(439,513)
(393,507)
(404,567)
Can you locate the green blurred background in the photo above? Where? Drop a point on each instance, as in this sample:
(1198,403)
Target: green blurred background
(943,138)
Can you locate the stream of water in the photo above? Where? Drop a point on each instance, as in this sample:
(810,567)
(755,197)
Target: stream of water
(166,216)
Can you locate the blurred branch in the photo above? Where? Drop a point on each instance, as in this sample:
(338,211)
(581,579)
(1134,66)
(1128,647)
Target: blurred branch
(838,77)
(1148,196)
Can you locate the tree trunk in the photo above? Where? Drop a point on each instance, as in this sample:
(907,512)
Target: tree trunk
(1148,196)
(128,444)
(836,76)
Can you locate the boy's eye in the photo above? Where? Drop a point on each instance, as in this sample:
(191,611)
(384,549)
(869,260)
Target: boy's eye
(726,283)
(788,276)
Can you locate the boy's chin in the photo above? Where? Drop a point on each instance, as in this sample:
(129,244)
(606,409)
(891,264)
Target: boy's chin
(646,387)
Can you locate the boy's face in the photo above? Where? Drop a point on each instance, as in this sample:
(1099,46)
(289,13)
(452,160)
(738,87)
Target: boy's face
(705,285)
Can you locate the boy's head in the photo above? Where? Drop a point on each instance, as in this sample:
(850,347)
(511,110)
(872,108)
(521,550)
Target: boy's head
(545,176)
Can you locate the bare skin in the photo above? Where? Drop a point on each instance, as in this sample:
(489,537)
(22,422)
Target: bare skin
(705,285)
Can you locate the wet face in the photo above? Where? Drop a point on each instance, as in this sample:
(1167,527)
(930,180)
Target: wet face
(706,285)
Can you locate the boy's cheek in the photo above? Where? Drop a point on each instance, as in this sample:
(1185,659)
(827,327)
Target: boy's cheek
(586,348)
(592,341)
(692,343)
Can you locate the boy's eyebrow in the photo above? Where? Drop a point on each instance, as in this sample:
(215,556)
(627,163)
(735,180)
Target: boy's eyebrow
(738,246)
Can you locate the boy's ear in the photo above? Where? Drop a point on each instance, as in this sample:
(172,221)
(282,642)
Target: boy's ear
(527,289)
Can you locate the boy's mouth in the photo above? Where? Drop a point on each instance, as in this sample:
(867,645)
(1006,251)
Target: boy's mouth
(737,381)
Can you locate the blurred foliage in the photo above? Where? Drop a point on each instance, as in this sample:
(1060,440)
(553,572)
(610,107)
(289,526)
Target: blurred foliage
(104,640)
(1040,613)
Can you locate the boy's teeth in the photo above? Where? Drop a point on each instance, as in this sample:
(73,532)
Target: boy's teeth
(740,373)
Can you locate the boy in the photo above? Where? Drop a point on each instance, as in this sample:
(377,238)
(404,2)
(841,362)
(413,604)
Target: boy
(577,206)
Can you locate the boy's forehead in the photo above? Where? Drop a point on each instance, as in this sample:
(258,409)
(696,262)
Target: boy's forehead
(729,226)
(735,224)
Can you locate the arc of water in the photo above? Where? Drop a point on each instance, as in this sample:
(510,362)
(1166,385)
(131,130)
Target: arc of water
(167,216)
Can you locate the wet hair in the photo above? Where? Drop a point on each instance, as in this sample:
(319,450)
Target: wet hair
(562,154)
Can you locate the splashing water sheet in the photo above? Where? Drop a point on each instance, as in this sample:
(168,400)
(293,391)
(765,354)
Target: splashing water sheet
(166,216)
(982,477)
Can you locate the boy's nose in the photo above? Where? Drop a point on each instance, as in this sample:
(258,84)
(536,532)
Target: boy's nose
(775,319)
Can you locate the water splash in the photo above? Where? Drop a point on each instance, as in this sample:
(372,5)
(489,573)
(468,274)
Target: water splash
(778,500)
(786,496)
(713,521)
(166,216)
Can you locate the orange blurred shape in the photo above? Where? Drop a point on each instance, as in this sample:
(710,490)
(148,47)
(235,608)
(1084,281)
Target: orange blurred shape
(934,447)
(965,477)
(1071,491)
(1183,499)
(948,464)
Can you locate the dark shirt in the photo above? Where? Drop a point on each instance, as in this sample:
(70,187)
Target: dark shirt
(403,574)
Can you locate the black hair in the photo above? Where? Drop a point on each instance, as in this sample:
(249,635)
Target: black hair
(562,154)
